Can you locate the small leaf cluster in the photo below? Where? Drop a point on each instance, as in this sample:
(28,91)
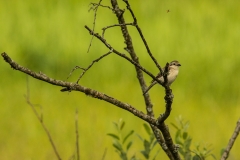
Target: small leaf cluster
(122,143)
(203,152)
(148,144)
(119,141)
(183,139)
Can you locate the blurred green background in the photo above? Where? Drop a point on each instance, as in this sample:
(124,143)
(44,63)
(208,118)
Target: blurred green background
(49,36)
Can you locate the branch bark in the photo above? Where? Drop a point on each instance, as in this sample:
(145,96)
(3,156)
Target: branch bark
(76,87)
(172,153)
(231,141)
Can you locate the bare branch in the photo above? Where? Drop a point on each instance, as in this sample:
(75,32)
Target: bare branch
(142,37)
(122,55)
(94,61)
(77,87)
(114,25)
(158,134)
(86,69)
(231,141)
(168,140)
(96,5)
(75,68)
(130,49)
(39,117)
(161,141)
(95,8)
(77,135)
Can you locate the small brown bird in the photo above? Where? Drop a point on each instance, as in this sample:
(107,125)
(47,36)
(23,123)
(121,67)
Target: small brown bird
(172,75)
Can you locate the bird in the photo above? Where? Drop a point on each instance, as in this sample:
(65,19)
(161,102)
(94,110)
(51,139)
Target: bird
(172,74)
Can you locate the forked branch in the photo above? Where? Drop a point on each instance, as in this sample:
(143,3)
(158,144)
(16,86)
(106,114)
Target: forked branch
(76,87)
(163,137)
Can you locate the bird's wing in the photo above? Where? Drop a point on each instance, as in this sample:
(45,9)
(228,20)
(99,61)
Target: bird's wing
(158,75)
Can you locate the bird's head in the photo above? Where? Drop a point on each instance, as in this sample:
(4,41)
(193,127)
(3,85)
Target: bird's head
(174,64)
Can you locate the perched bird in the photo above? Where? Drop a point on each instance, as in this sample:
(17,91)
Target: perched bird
(171,75)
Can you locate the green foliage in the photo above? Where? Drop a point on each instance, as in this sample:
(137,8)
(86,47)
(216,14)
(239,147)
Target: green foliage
(120,141)
(183,139)
(148,144)
(122,147)
(202,152)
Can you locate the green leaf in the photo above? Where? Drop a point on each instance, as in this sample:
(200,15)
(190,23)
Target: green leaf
(147,128)
(185,135)
(128,135)
(174,126)
(186,126)
(123,156)
(198,147)
(178,138)
(208,151)
(196,157)
(118,146)
(140,137)
(115,124)
(187,156)
(129,145)
(113,136)
(146,145)
(145,154)
(181,151)
(122,125)
(213,156)
(133,157)
(187,143)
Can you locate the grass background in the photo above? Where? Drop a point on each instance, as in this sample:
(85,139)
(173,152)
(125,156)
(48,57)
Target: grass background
(49,36)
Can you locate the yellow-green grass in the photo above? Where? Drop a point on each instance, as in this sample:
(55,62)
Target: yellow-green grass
(50,37)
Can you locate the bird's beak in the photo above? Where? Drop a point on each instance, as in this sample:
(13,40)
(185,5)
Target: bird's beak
(179,64)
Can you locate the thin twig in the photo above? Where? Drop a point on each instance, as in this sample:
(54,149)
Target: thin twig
(75,68)
(39,117)
(76,87)
(94,61)
(94,23)
(114,25)
(86,69)
(122,55)
(95,5)
(142,36)
(77,135)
